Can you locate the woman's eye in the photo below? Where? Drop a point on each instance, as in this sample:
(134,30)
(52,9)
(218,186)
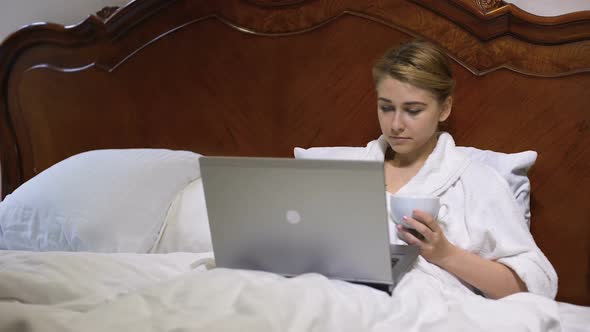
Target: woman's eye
(386,108)
(414,111)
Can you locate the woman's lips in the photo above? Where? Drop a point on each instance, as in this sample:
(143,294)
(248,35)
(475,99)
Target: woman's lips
(398,139)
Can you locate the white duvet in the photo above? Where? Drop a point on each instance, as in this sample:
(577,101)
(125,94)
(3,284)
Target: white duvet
(52,291)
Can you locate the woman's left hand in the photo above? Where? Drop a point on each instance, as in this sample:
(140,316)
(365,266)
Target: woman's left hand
(434,246)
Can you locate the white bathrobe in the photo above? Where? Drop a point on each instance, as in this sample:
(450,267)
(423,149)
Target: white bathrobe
(483,216)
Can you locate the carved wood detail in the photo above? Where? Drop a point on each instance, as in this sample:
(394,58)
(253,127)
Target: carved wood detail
(106,12)
(488,5)
(508,20)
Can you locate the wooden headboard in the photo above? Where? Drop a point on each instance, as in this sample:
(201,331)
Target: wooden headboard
(259,77)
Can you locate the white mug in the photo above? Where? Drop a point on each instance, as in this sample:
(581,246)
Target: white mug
(401,206)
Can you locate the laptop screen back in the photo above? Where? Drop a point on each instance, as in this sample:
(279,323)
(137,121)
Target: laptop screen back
(291,216)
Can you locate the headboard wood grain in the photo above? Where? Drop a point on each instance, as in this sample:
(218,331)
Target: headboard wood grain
(257,78)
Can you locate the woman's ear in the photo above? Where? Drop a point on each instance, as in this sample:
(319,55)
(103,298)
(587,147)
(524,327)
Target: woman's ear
(446,109)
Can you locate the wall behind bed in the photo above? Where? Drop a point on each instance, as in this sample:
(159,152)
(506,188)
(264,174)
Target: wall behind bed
(551,7)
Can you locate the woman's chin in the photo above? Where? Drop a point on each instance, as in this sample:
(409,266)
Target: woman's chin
(401,150)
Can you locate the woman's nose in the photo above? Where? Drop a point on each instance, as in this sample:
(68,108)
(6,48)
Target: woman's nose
(397,124)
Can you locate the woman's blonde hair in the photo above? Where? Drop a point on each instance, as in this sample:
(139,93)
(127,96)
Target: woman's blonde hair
(419,63)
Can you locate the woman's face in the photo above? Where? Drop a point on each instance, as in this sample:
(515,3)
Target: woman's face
(409,117)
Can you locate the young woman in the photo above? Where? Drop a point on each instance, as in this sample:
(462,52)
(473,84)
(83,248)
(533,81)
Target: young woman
(482,240)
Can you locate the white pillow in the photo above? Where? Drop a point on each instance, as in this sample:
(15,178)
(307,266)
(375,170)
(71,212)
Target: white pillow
(99,201)
(187,224)
(330,152)
(512,166)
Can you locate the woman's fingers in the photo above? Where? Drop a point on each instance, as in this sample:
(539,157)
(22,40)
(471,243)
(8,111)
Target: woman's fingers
(424,231)
(427,220)
(419,227)
(408,237)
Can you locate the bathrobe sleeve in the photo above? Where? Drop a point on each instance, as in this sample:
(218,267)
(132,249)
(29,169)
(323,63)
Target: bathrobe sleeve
(497,230)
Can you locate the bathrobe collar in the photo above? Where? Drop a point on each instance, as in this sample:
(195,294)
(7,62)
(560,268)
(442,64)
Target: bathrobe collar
(442,168)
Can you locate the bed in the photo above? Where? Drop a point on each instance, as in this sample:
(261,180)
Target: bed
(259,78)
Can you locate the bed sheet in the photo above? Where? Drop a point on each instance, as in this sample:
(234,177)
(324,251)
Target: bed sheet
(574,318)
(51,291)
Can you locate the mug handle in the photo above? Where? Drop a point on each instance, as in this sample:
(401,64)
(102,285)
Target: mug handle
(446,211)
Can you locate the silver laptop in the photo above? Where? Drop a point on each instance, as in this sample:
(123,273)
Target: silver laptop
(291,217)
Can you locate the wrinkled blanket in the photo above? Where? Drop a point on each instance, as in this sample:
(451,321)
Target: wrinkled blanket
(44,291)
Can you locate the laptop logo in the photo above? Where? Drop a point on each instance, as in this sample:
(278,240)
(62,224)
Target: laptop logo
(293,217)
